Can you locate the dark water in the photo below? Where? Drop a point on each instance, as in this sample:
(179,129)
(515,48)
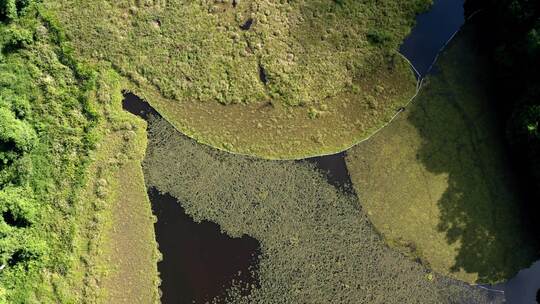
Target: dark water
(431,32)
(335,169)
(199,262)
(137,106)
(524,288)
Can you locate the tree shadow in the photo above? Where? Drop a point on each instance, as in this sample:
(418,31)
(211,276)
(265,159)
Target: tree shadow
(461,138)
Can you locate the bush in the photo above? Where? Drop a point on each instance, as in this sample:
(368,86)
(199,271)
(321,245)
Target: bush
(379,37)
(11,9)
(15,134)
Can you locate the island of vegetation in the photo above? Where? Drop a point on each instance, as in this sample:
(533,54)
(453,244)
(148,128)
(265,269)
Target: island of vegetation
(437,182)
(274,79)
(454,181)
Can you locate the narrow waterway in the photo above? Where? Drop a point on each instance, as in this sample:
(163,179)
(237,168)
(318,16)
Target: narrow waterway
(431,32)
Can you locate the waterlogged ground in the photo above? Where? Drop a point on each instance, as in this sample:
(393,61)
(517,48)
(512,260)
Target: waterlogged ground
(436,181)
(317,246)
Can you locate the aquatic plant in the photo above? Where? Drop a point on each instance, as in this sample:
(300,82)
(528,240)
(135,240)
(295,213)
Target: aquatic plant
(317,245)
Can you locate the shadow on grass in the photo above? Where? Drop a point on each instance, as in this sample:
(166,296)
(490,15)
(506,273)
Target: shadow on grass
(480,209)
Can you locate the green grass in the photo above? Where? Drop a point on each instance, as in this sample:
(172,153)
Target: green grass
(436,182)
(55,114)
(332,69)
(128,251)
(317,246)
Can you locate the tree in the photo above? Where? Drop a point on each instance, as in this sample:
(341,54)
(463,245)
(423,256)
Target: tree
(8,10)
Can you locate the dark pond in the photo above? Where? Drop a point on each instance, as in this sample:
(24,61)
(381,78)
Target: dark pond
(335,168)
(199,262)
(433,29)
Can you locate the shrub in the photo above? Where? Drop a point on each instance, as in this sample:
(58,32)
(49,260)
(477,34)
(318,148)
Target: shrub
(379,37)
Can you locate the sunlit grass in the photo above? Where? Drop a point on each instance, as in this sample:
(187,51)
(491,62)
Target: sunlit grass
(306,78)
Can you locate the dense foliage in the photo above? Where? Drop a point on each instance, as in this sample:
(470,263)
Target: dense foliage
(11,9)
(511,37)
(46,131)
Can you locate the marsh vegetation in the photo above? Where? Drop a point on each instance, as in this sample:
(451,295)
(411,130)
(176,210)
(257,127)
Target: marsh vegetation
(57,180)
(266,78)
(317,245)
(277,80)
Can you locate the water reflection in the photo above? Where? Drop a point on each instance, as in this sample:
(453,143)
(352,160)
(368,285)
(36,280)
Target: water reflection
(524,288)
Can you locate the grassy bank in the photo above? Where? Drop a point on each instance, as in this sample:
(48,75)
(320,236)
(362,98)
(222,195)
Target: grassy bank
(436,182)
(55,116)
(317,246)
(271,79)
(128,249)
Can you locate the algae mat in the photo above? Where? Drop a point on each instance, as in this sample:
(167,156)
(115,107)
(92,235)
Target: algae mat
(436,181)
(275,79)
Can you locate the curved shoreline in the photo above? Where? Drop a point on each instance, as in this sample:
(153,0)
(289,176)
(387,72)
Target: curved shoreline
(420,80)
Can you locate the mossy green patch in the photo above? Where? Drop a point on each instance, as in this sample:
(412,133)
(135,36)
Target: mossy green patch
(122,268)
(436,182)
(276,79)
(317,246)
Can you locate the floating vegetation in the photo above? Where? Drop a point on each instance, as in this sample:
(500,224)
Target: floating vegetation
(317,246)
